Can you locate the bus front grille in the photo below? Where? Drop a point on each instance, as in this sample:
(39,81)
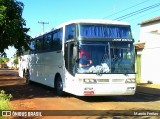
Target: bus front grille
(118,80)
(103,80)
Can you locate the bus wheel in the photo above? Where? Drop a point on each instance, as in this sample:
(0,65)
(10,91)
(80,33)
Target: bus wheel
(23,73)
(59,86)
(27,77)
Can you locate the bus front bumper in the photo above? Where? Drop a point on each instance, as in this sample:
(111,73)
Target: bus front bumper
(106,89)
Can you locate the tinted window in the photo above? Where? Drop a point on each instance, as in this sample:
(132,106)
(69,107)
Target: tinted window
(39,43)
(33,44)
(104,31)
(57,39)
(47,41)
(70,32)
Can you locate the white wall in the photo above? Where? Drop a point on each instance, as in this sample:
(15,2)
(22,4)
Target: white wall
(148,32)
(150,64)
(10,63)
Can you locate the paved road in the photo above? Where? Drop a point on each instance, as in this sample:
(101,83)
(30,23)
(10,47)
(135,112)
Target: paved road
(38,97)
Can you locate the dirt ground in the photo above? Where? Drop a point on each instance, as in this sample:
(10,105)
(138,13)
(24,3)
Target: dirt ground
(39,97)
(30,97)
(22,93)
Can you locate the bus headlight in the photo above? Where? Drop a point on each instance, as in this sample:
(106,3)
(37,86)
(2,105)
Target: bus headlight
(89,80)
(130,80)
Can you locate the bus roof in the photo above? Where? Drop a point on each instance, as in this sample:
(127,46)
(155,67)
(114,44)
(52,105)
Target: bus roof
(94,21)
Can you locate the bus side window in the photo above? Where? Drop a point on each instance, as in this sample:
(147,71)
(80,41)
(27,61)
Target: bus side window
(47,41)
(70,31)
(57,40)
(39,44)
(32,46)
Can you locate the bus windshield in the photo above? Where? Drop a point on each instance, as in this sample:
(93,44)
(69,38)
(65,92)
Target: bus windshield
(104,31)
(106,57)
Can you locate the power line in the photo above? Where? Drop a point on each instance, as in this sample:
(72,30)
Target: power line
(157,10)
(126,9)
(138,12)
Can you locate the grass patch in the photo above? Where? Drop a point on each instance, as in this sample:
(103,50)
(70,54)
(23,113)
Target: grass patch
(5,101)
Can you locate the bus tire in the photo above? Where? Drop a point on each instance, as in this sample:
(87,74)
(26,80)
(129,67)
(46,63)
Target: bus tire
(59,86)
(24,73)
(27,77)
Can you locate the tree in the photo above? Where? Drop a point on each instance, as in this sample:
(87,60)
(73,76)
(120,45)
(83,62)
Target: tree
(3,54)
(12,26)
(15,60)
(3,60)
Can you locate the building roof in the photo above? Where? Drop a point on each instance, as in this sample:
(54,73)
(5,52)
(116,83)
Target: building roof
(151,20)
(139,45)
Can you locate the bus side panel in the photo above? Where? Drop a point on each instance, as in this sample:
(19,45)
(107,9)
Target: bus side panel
(44,66)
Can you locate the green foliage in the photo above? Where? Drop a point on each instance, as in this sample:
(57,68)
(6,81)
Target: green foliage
(4,59)
(12,26)
(4,101)
(1,60)
(15,60)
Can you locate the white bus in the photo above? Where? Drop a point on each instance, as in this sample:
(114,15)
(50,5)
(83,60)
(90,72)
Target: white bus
(55,58)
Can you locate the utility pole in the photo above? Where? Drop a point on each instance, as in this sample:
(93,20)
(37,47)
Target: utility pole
(43,23)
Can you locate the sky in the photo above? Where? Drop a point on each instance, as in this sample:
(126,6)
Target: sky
(56,12)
